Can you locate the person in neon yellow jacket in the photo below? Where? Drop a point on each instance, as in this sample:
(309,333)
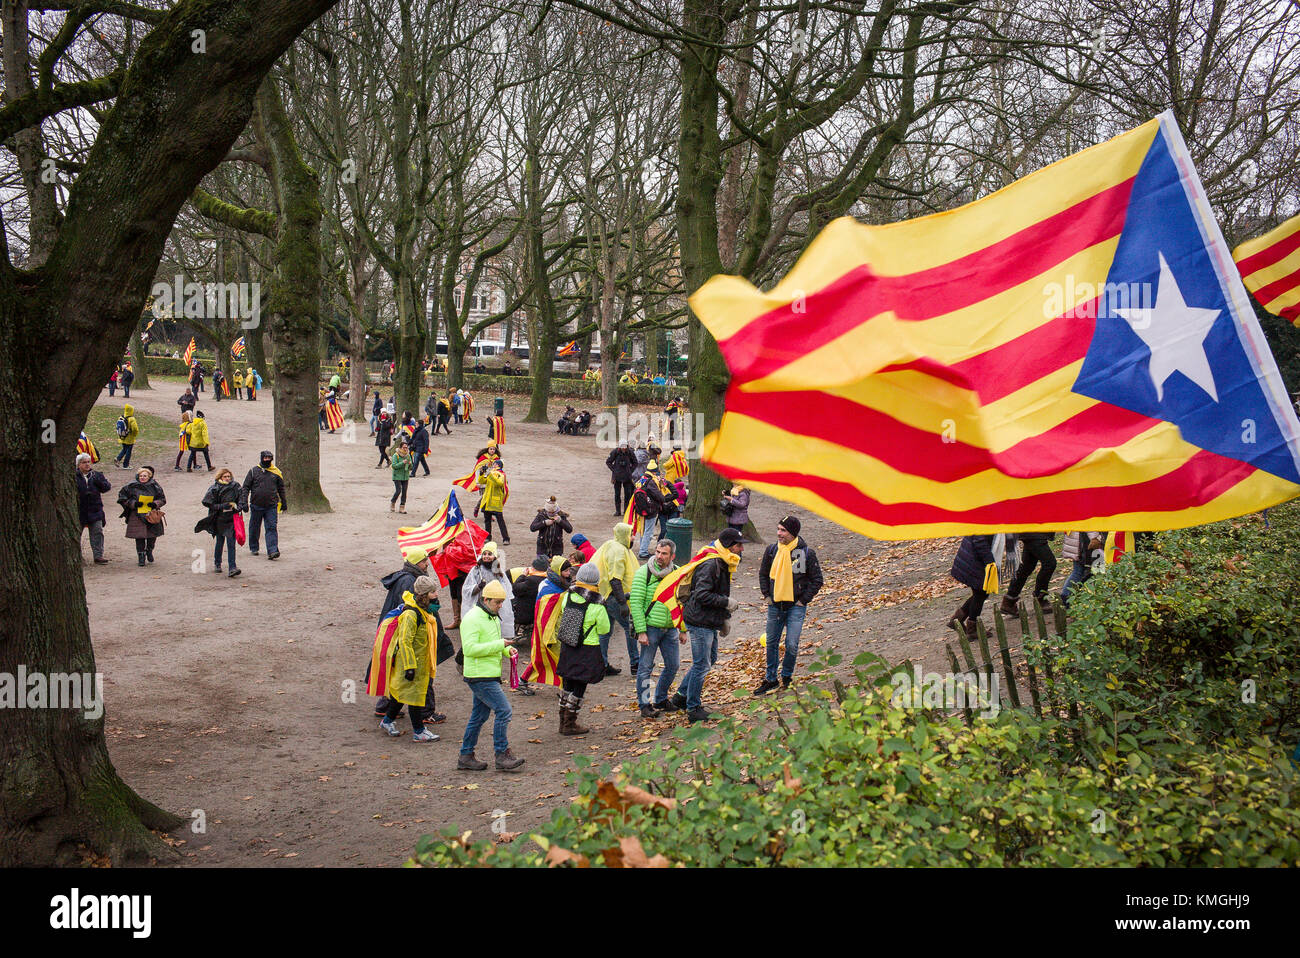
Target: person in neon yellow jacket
(618,564)
(412,668)
(485,650)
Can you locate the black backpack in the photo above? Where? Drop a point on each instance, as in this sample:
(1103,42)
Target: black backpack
(642,505)
(571,632)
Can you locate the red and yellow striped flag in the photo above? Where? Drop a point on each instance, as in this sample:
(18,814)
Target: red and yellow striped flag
(668,585)
(498,430)
(189,352)
(1076,351)
(381,653)
(678,466)
(635,521)
(333,415)
(544,663)
(85,445)
(1270,267)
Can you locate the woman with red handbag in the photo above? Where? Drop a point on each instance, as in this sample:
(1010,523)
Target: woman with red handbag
(222,500)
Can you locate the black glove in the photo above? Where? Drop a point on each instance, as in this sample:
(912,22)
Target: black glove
(284,506)
(410,675)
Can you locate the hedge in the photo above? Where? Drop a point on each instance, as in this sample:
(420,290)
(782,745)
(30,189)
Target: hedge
(483,385)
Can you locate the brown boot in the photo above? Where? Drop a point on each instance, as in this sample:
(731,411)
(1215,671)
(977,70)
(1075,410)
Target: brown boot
(469,763)
(1009,607)
(1045,601)
(507,761)
(969,626)
(566,717)
(455,614)
(958,617)
(575,705)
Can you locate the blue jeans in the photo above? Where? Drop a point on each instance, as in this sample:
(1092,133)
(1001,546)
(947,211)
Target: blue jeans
(1080,574)
(227,538)
(488,697)
(704,655)
(124,457)
(620,618)
(666,641)
(647,538)
(255,527)
(791,620)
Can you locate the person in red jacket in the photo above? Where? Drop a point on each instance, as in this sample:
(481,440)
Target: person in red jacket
(581,544)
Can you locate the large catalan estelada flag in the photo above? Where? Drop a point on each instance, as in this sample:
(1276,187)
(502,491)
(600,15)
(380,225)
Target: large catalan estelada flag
(381,653)
(237,347)
(544,664)
(1076,351)
(443,526)
(189,352)
(85,445)
(1270,267)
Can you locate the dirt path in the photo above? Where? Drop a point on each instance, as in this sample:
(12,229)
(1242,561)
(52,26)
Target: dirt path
(228,695)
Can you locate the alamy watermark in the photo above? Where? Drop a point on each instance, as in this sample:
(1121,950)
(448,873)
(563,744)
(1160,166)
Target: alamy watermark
(242,301)
(1087,298)
(678,431)
(53,690)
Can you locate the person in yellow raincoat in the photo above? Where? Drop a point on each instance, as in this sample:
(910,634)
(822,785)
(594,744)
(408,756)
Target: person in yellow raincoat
(412,667)
(618,564)
(494,501)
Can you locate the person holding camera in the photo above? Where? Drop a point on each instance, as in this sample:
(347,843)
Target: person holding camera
(551,525)
(735,506)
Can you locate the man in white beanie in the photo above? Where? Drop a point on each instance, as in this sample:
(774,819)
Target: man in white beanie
(491,567)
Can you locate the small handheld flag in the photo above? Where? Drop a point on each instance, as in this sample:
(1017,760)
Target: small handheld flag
(237,348)
(189,352)
(85,445)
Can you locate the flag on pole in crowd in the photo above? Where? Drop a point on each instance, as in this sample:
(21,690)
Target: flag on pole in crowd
(189,352)
(225,387)
(85,445)
(635,521)
(443,526)
(1076,351)
(237,348)
(1270,267)
(1117,543)
(681,576)
(543,665)
(333,415)
(381,653)
(498,433)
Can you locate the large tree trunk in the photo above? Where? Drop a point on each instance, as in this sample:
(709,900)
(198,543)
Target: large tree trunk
(357,366)
(700,165)
(294,305)
(141,380)
(175,116)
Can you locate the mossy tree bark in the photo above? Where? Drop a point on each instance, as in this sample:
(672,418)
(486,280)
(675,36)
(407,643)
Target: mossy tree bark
(175,117)
(141,380)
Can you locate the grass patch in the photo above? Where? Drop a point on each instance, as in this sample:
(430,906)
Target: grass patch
(155,446)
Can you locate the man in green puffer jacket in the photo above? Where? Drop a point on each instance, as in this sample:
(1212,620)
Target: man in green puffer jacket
(485,648)
(655,631)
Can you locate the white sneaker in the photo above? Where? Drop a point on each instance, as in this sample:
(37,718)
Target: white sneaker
(390,728)
(424,735)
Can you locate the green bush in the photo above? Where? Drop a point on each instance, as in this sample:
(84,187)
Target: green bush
(844,778)
(562,387)
(1197,634)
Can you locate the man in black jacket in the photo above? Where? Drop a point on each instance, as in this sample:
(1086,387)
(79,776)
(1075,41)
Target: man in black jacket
(1037,552)
(621,463)
(707,611)
(187,401)
(90,507)
(263,494)
(789,576)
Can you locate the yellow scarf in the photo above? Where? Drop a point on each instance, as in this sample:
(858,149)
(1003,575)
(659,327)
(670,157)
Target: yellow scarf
(274,471)
(782,572)
(727,555)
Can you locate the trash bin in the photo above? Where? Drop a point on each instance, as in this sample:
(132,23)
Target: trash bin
(679,531)
(499,406)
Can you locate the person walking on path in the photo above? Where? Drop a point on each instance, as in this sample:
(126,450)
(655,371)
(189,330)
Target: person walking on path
(485,647)
(419,448)
(444,415)
(491,567)
(402,464)
(493,502)
(735,506)
(126,379)
(222,500)
(375,410)
(617,564)
(188,401)
(582,664)
(183,438)
(383,438)
(90,506)
(621,463)
(415,565)
(263,496)
(199,441)
(707,613)
(142,502)
(655,632)
(112,382)
(412,666)
(128,431)
(238,385)
(1080,549)
(1037,552)
(551,525)
(976,567)
(789,577)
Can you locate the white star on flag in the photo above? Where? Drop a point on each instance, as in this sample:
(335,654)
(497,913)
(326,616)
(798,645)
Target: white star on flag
(1175,333)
